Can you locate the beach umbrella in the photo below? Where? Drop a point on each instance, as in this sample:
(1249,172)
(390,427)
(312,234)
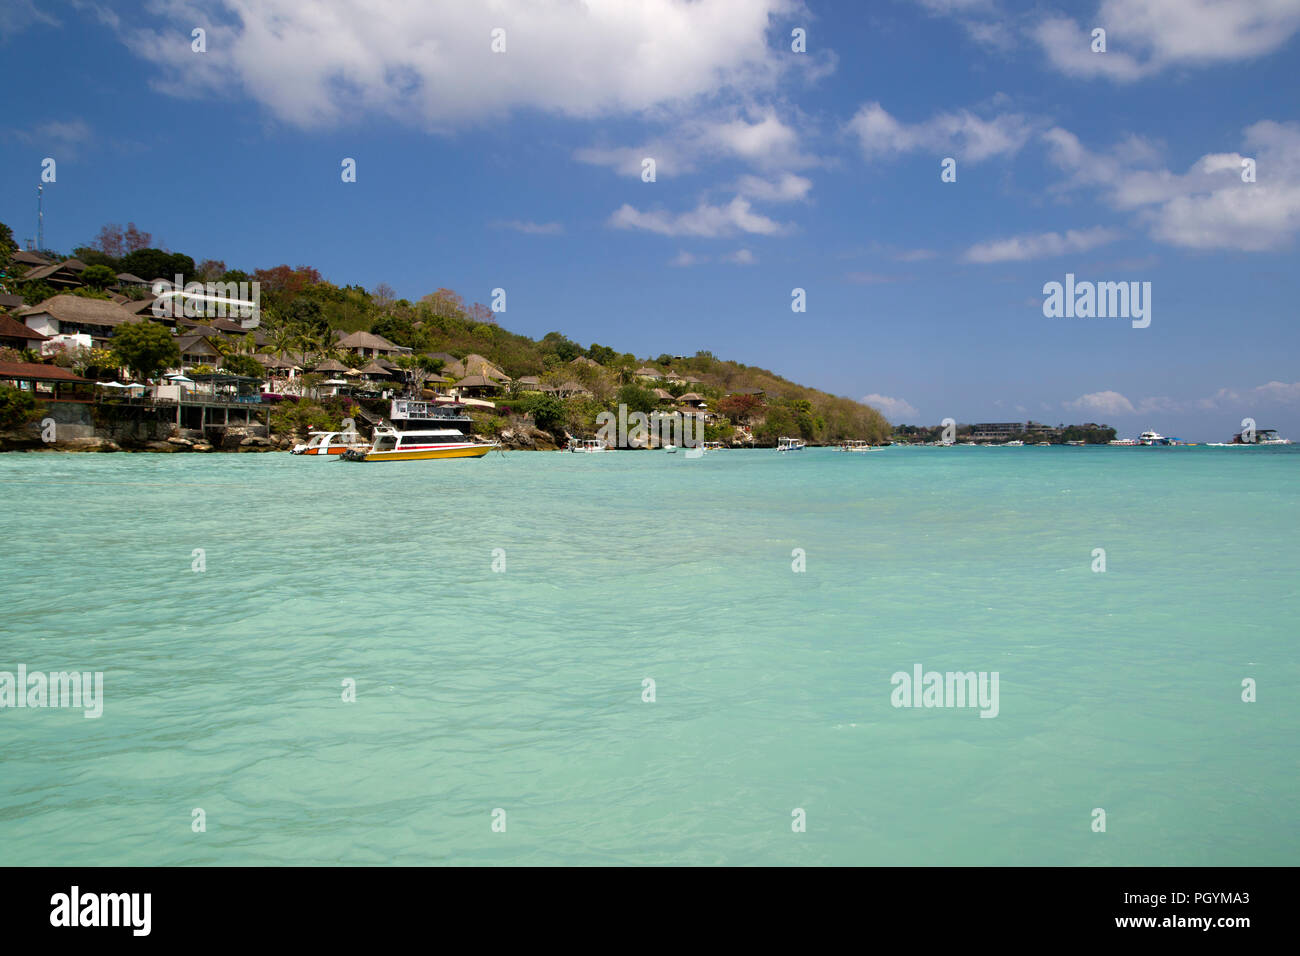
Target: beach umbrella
(111,385)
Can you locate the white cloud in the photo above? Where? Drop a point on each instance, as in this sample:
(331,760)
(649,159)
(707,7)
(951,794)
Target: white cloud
(705,220)
(323,63)
(741,257)
(785,188)
(21,14)
(684,258)
(1208,207)
(758,137)
(1039,246)
(1278,392)
(961,134)
(532,228)
(894,409)
(1144,37)
(1102,403)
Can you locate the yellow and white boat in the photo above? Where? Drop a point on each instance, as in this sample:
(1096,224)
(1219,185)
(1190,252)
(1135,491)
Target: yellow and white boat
(393,445)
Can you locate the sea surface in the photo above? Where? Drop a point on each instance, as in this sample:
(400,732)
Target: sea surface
(229,599)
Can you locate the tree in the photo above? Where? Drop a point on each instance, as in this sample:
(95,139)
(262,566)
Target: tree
(210,270)
(549,413)
(739,408)
(637,398)
(237,363)
(157,264)
(98,277)
(109,241)
(416,369)
(17,407)
(145,348)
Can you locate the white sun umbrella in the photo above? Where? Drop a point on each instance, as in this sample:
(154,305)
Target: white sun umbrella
(111,385)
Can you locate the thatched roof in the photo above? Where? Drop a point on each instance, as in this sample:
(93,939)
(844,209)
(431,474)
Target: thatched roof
(374,368)
(477,381)
(367,340)
(478,365)
(330,365)
(79,309)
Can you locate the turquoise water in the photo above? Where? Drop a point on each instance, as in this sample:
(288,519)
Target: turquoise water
(522,689)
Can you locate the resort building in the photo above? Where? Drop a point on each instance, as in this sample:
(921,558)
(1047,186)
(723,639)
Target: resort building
(15,335)
(369,345)
(74,314)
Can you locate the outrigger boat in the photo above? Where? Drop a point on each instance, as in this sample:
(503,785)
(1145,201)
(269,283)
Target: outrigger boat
(791,444)
(586,446)
(393,445)
(329,443)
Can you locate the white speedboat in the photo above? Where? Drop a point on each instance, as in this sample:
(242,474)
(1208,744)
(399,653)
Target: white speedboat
(1014,444)
(671,449)
(1152,438)
(586,446)
(414,445)
(791,444)
(329,443)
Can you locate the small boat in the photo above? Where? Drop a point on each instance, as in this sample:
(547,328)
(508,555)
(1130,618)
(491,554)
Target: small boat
(712,446)
(329,443)
(791,444)
(1126,442)
(1263,436)
(671,449)
(392,445)
(1075,444)
(586,446)
(1152,438)
(856,446)
(1014,444)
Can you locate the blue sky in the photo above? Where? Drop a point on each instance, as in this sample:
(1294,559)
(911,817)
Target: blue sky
(775,170)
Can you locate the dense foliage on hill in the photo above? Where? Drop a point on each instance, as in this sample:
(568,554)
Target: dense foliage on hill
(301,312)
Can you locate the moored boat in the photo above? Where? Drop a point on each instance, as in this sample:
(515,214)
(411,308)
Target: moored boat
(415,445)
(329,443)
(791,444)
(586,446)
(1152,438)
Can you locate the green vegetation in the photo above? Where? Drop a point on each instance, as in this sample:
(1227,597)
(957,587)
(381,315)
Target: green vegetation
(17,407)
(145,348)
(302,313)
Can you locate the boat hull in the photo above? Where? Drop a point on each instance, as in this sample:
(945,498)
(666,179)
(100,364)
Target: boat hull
(468,451)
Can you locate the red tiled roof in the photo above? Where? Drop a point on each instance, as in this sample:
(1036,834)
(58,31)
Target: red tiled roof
(11,328)
(34,371)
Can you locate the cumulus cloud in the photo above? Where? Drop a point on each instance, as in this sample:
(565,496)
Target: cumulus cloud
(894,409)
(961,134)
(1145,37)
(785,188)
(758,137)
(741,257)
(1102,403)
(705,221)
(1040,245)
(1209,206)
(326,62)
